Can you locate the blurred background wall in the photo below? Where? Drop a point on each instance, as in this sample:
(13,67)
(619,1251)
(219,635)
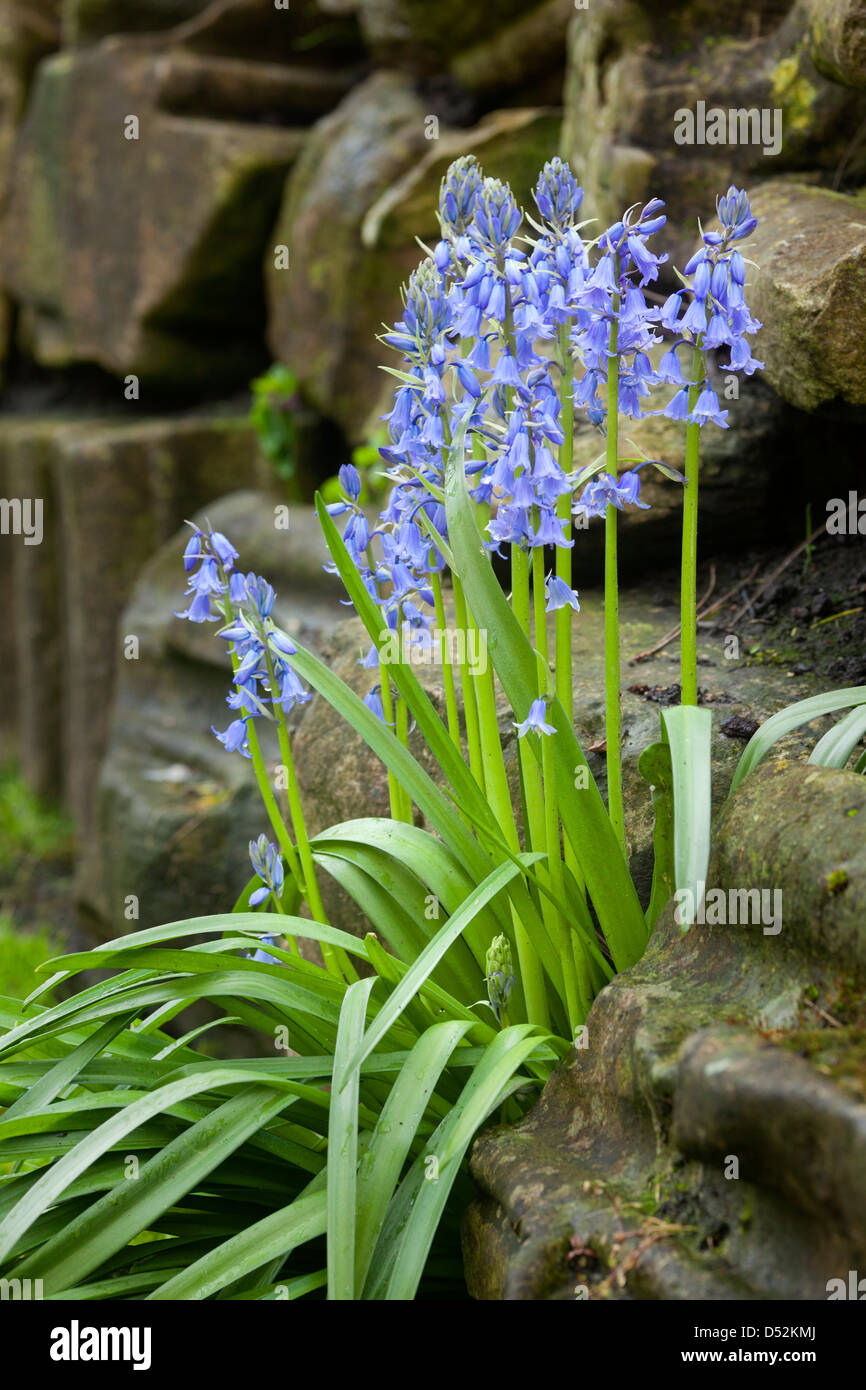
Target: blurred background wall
(195,189)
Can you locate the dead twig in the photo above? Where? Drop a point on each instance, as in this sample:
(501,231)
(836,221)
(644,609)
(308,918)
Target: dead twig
(774,574)
(833,1022)
(701,612)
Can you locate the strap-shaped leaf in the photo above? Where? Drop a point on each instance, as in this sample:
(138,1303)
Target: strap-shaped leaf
(689,732)
(837,745)
(789,719)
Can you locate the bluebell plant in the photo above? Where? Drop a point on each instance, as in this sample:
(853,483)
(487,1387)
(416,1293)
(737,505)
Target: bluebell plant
(512,327)
(492,926)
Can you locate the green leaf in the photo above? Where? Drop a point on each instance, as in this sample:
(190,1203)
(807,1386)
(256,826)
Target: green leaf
(414,1213)
(654,765)
(133,1205)
(689,733)
(837,745)
(790,718)
(420,969)
(277,1234)
(54,1180)
(343,1145)
(395,1130)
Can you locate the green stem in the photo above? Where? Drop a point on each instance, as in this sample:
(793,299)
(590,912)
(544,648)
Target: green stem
(613,716)
(263,781)
(278,907)
(470,707)
(336,961)
(689,577)
(554,921)
(564,615)
(394,789)
(447,669)
(499,795)
(401,729)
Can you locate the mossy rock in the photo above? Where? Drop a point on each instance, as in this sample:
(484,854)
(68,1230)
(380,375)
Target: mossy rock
(139,254)
(810,293)
(709,1141)
(837,40)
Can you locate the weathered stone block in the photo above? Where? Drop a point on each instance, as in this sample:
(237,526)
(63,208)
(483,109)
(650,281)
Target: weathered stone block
(139,254)
(365,187)
(837,39)
(87,21)
(810,293)
(633,70)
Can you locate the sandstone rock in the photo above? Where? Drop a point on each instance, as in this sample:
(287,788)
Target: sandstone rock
(27,34)
(326,308)
(175,812)
(716,1044)
(809,292)
(120,490)
(140,255)
(35,700)
(837,39)
(630,73)
(423,36)
(365,187)
(87,21)
(271,30)
(235,89)
(526,56)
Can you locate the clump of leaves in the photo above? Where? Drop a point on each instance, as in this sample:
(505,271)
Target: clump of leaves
(29,828)
(276,399)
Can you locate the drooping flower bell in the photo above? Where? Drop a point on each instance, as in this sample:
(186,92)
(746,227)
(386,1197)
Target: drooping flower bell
(535,720)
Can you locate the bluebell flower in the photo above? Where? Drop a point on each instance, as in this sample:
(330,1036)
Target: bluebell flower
(535,720)
(707,409)
(263,957)
(604,491)
(223,550)
(560,595)
(717,316)
(558,195)
(350,481)
(235,738)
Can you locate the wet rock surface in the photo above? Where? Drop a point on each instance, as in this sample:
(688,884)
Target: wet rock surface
(809,292)
(707,1139)
(634,66)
